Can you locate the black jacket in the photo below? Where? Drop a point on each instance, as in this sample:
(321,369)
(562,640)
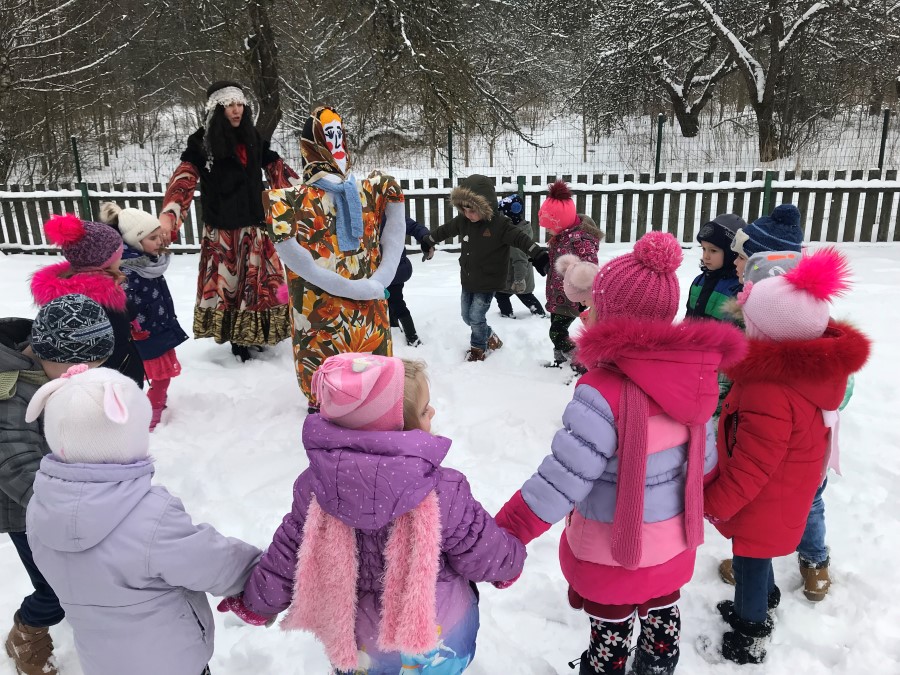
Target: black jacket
(230,193)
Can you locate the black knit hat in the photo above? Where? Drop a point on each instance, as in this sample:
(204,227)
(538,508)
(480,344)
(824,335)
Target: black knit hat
(72,329)
(720,232)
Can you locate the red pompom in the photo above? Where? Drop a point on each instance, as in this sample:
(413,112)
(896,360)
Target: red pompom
(559,190)
(64,230)
(824,275)
(659,251)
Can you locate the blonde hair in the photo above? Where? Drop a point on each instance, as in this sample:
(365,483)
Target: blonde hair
(413,381)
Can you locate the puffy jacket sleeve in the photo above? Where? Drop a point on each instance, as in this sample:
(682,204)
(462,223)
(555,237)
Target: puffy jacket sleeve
(269,589)
(22,447)
(416,230)
(475,546)
(585,246)
(198,557)
(579,454)
(764,425)
(519,239)
(447,230)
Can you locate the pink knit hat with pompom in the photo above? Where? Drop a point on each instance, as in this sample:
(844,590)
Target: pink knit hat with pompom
(578,277)
(641,284)
(84,244)
(796,305)
(361,391)
(557,213)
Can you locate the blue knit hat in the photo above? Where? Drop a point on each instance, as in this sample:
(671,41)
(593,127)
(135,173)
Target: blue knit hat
(513,208)
(779,232)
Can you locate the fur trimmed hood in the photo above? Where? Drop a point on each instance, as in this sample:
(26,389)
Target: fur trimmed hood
(476,190)
(674,364)
(47,285)
(817,368)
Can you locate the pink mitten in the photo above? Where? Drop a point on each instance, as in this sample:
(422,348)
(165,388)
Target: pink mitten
(138,333)
(236,604)
(505,584)
(517,518)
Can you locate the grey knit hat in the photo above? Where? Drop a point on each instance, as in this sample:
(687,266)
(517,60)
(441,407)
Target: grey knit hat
(72,329)
(767,264)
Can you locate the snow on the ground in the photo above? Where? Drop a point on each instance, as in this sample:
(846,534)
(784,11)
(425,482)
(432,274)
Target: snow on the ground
(230,448)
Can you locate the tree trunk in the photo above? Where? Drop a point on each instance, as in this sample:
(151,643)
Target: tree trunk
(688,120)
(262,57)
(768,132)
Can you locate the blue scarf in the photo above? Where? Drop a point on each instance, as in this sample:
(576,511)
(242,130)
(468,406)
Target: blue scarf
(349,210)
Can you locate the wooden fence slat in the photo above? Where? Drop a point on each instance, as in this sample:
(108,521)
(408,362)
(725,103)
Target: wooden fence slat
(581,197)
(627,198)
(448,207)
(45,207)
(870,209)
(34,221)
(690,210)
(420,208)
(834,215)
(643,199)
(722,197)
(674,207)
(706,199)
(803,202)
(738,203)
(612,234)
(659,205)
(787,196)
(433,207)
(6,232)
(887,204)
(535,207)
(597,201)
(822,197)
(853,197)
(21,225)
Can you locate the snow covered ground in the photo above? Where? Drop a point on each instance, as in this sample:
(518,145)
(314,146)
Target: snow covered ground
(230,448)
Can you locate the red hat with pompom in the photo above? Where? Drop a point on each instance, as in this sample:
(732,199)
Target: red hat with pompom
(557,213)
(641,284)
(84,244)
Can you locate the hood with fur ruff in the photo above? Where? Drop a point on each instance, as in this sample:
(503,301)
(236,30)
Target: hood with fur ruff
(47,285)
(674,364)
(818,369)
(478,191)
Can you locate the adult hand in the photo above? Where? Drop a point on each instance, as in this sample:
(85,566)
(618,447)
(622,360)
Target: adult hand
(167,223)
(428,245)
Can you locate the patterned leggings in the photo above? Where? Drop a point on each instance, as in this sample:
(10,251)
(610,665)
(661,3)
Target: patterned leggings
(559,332)
(657,646)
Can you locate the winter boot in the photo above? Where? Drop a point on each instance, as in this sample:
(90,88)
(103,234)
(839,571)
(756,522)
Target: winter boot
(726,571)
(475,354)
(241,352)
(509,315)
(659,643)
(559,358)
(494,342)
(609,648)
(155,417)
(409,331)
(726,607)
(747,642)
(31,649)
(816,580)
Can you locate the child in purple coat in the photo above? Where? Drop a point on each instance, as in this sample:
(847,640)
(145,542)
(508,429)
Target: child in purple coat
(381,547)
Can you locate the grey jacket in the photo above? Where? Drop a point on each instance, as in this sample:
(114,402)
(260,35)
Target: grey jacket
(519,265)
(130,568)
(22,445)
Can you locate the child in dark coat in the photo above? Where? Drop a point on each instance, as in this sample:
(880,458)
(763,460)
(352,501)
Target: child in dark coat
(399,312)
(718,282)
(156,328)
(520,280)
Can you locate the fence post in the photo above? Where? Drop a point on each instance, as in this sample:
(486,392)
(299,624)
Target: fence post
(767,193)
(520,182)
(85,202)
(884,132)
(450,150)
(659,130)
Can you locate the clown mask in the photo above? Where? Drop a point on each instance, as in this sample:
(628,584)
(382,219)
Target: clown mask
(333,127)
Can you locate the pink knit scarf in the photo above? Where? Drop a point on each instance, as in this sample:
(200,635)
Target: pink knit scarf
(325,583)
(631,427)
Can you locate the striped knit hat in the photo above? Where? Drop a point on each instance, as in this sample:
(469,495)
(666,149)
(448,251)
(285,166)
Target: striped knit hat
(361,391)
(780,231)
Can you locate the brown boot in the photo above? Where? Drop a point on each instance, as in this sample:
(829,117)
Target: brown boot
(31,649)
(726,571)
(475,354)
(816,580)
(494,342)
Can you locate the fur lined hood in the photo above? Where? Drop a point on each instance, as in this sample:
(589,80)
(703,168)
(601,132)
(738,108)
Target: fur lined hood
(479,191)
(674,364)
(47,285)
(817,368)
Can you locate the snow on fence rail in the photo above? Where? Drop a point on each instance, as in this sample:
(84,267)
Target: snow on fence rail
(836,207)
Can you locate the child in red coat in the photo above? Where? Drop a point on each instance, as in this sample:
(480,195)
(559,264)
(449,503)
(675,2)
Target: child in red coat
(773,440)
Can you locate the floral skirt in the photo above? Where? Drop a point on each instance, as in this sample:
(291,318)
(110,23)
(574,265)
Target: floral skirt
(240,275)
(324,325)
(162,367)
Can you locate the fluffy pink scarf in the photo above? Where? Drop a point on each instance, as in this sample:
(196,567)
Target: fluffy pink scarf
(325,583)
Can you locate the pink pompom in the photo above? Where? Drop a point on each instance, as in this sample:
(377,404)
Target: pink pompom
(559,190)
(824,275)
(565,261)
(659,251)
(64,230)
(282,294)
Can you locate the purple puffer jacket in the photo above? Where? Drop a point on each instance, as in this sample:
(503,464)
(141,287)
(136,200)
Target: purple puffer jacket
(580,241)
(367,479)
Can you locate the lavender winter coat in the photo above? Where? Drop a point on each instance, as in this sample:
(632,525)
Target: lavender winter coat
(130,568)
(367,479)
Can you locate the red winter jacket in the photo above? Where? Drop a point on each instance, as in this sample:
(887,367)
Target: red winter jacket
(772,438)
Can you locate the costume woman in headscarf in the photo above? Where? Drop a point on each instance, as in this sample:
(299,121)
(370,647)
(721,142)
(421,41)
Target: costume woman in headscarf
(239,271)
(339,259)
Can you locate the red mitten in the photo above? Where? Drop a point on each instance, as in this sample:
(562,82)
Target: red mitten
(138,333)
(517,518)
(505,584)
(236,604)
